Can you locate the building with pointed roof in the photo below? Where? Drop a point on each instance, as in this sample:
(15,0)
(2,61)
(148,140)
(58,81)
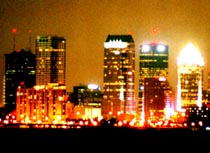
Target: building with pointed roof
(190,78)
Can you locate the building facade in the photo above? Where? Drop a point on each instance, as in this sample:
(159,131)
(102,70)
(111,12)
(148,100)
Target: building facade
(20,67)
(87,102)
(119,76)
(45,102)
(190,78)
(159,100)
(153,63)
(42,104)
(50,60)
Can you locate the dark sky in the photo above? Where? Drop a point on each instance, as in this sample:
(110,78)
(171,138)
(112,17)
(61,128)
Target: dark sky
(86,23)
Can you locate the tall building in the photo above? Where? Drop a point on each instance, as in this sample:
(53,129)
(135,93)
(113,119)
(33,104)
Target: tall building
(45,102)
(20,67)
(190,78)
(119,77)
(50,60)
(153,63)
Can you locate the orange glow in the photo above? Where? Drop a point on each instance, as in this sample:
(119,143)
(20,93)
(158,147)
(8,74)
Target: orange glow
(154,30)
(14,30)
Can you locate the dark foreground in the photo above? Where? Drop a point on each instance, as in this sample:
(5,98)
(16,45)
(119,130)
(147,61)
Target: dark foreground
(104,138)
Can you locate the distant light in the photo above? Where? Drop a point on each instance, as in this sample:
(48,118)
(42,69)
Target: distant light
(154,30)
(115,44)
(207,128)
(145,48)
(93,86)
(161,48)
(14,30)
(116,52)
(141,87)
(190,55)
(162,79)
(22,83)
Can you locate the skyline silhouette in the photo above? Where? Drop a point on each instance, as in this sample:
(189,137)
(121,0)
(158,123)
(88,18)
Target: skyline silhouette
(86,24)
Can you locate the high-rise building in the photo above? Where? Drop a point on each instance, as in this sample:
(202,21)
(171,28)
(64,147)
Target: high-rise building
(153,63)
(20,69)
(45,102)
(50,60)
(190,78)
(119,77)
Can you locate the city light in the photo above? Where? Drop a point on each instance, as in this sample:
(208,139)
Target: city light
(190,72)
(190,55)
(115,44)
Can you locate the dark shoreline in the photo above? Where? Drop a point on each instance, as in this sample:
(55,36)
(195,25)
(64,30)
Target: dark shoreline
(100,136)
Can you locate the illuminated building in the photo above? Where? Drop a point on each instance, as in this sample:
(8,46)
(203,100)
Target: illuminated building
(20,69)
(50,60)
(41,104)
(119,78)
(159,100)
(153,63)
(208,81)
(87,101)
(199,117)
(46,101)
(190,78)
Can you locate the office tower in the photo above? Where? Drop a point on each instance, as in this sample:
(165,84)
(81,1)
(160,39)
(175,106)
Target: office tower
(46,101)
(190,78)
(119,78)
(50,60)
(153,63)
(20,69)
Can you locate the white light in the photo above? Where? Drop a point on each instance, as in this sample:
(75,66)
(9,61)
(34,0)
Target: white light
(162,79)
(116,52)
(145,48)
(190,56)
(161,48)
(141,87)
(115,44)
(207,128)
(92,86)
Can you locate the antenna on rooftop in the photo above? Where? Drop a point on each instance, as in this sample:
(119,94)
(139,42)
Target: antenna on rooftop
(14,30)
(30,39)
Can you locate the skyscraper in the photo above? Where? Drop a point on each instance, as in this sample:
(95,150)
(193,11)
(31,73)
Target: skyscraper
(190,78)
(119,77)
(50,60)
(20,69)
(153,63)
(46,101)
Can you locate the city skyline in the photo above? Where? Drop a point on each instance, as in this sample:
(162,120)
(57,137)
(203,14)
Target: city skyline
(174,23)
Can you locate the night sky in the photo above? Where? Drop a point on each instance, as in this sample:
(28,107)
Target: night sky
(86,23)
